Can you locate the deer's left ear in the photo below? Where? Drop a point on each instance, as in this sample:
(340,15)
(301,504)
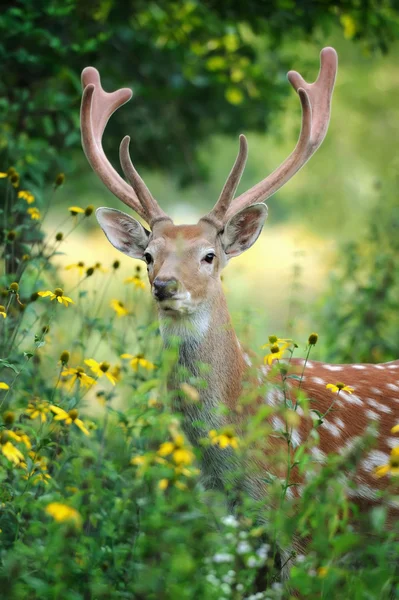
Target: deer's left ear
(243,229)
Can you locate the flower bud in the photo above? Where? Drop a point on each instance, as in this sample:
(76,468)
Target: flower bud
(312,341)
(89,271)
(116,264)
(273,339)
(34,297)
(89,210)
(59,180)
(64,357)
(11,235)
(59,236)
(14,287)
(9,417)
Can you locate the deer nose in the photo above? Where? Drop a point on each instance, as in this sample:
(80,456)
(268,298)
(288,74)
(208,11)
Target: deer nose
(164,288)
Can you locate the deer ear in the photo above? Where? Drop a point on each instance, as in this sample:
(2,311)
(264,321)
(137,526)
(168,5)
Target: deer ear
(124,232)
(243,229)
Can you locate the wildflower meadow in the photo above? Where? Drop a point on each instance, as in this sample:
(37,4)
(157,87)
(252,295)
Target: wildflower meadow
(105,492)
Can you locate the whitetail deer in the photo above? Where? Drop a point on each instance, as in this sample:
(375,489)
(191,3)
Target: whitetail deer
(184,264)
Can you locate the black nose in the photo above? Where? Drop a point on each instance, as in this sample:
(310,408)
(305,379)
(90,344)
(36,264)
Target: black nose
(164,288)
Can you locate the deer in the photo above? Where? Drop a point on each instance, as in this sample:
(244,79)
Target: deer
(184,264)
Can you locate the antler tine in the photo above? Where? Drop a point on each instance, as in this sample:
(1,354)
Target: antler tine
(216,215)
(97,107)
(316,108)
(153,210)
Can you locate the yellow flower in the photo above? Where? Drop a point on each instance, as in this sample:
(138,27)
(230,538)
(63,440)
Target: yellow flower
(62,513)
(119,308)
(36,408)
(339,387)
(137,282)
(25,195)
(69,417)
(392,467)
(322,571)
(116,372)
(3,311)
(181,455)
(59,294)
(163,484)
(79,374)
(349,25)
(224,439)
(98,267)
(4,386)
(20,436)
(100,369)
(3,175)
(34,213)
(11,452)
(395,429)
(273,340)
(139,361)
(276,353)
(80,266)
(75,210)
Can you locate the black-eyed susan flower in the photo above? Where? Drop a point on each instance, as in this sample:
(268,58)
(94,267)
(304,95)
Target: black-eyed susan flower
(76,210)
(62,513)
(11,452)
(181,455)
(38,408)
(276,353)
(4,385)
(59,294)
(116,372)
(27,196)
(79,266)
(3,311)
(100,369)
(34,213)
(20,437)
(312,340)
(98,267)
(139,361)
(339,387)
(224,438)
(78,374)
(392,467)
(69,417)
(136,281)
(119,308)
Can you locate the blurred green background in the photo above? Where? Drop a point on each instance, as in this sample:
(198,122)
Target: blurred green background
(201,73)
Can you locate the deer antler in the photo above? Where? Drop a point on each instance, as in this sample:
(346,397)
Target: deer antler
(97,107)
(316,108)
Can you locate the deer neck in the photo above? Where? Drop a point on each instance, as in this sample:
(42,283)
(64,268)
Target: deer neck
(208,349)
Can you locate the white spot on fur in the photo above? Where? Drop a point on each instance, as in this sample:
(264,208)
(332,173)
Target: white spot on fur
(376,391)
(340,423)
(392,442)
(274,397)
(374,459)
(379,366)
(393,387)
(333,367)
(358,367)
(381,407)
(277,423)
(363,491)
(395,366)
(372,415)
(351,398)
(318,380)
(331,428)
(296,439)
(318,454)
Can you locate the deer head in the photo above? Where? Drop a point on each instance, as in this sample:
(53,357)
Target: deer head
(184,262)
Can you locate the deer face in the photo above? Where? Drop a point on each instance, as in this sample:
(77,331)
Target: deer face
(184,262)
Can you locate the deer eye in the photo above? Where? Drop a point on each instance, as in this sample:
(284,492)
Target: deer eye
(209,257)
(147,258)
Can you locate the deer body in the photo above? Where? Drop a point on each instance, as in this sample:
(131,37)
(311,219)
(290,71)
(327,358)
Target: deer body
(184,264)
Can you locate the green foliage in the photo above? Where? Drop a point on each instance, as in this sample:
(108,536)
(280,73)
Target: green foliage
(100,493)
(362,300)
(196,68)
